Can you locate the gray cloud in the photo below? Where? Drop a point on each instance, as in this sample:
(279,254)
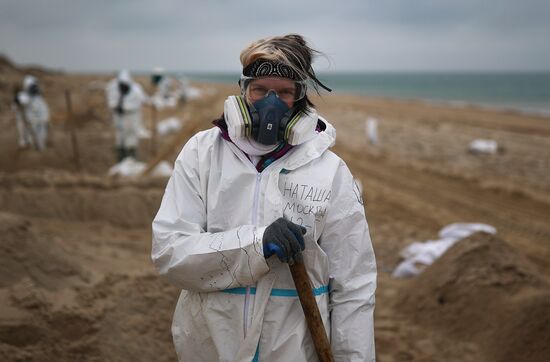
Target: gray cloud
(208,35)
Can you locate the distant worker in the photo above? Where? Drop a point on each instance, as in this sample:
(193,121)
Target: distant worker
(168,90)
(125,98)
(371,125)
(161,82)
(32,115)
(163,89)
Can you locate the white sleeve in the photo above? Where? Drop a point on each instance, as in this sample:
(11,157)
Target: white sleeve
(134,99)
(43,112)
(23,98)
(347,242)
(189,256)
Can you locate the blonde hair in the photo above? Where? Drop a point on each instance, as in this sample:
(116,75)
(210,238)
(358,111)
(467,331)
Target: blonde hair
(291,50)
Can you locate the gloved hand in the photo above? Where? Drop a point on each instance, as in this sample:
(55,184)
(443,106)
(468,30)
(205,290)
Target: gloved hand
(284,239)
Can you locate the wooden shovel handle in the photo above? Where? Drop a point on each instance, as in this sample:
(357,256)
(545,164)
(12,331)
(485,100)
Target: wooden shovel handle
(71,127)
(311,312)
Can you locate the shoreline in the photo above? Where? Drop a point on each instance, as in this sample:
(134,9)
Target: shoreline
(521,111)
(458,104)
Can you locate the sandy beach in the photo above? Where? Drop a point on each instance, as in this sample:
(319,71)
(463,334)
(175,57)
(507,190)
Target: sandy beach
(77,284)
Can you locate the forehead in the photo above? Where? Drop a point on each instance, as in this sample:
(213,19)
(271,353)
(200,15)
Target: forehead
(273,82)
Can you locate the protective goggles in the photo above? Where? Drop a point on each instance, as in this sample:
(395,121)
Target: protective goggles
(257,88)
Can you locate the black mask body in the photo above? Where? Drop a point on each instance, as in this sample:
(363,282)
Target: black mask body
(156,78)
(270,117)
(124,88)
(34,89)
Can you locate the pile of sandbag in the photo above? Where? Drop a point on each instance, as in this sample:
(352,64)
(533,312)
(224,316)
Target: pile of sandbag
(419,255)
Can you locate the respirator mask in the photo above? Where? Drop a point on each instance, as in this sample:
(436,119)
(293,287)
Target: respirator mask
(268,105)
(265,112)
(123,88)
(156,78)
(270,116)
(34,89)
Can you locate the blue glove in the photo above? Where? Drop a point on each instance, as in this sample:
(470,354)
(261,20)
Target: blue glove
(284,239)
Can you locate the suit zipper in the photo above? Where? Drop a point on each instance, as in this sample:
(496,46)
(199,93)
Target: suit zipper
(254,222)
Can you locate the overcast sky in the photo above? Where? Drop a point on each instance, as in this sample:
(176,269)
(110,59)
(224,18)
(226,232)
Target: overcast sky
(205,35)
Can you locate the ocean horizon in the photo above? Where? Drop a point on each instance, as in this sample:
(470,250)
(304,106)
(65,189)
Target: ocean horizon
(527,92)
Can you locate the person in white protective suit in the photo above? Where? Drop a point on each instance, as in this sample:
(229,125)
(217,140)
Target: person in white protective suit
(167,89)
(32,115)
(125,98)
(258,191)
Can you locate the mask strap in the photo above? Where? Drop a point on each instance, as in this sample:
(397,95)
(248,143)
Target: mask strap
(243,107)
(290,124)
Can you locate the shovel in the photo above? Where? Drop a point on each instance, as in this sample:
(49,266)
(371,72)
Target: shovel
(311,311)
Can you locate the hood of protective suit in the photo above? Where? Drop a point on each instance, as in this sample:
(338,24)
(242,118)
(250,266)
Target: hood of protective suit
(28,81)
(158,71)
(124,76)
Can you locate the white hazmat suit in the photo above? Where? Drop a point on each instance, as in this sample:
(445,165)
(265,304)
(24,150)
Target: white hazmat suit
(207,239)
(126,110)
(168,90)
(36,114)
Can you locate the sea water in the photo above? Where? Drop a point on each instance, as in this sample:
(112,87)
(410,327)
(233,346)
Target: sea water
(522,91)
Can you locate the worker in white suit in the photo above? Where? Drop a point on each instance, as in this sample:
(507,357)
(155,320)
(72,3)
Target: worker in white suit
(125,98)
(247,197)
(32,115)
(168,90)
